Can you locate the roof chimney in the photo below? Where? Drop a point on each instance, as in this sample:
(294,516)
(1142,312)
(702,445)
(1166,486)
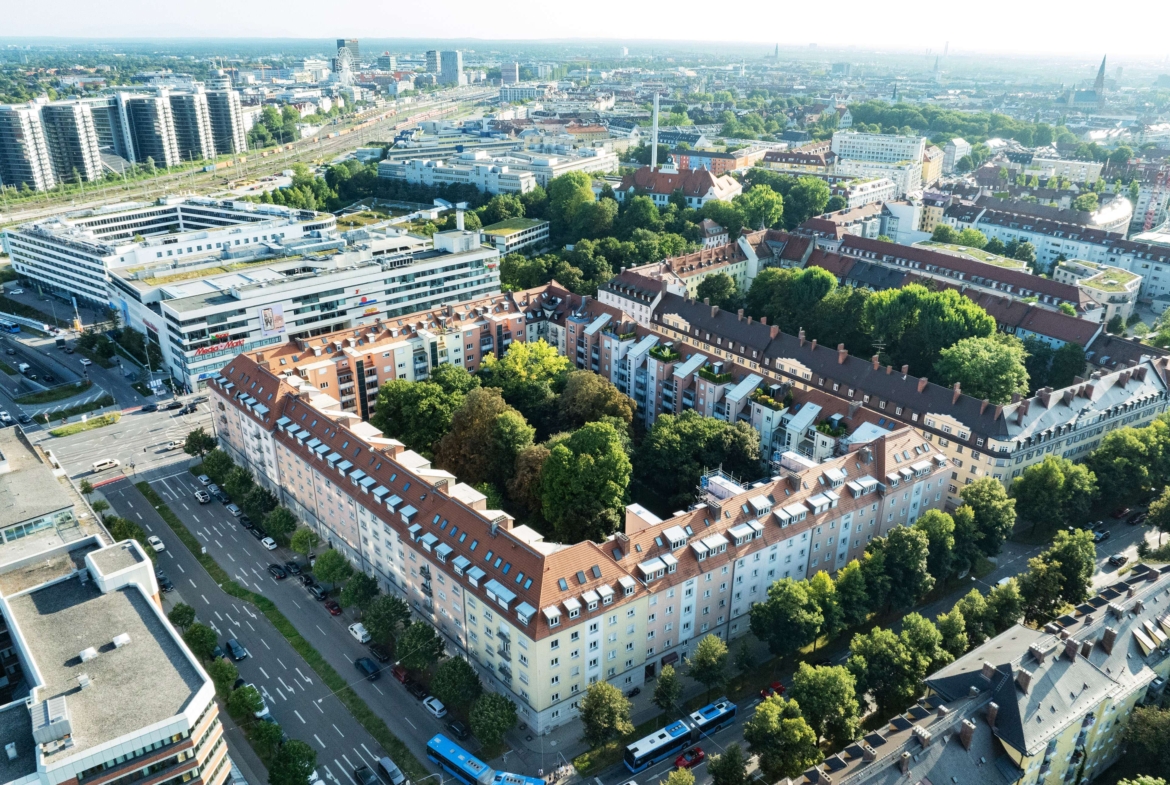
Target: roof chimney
(966,734)
(923,735)
(800,335)
(763,320)
(889,369)
(739,314)
(904,762)
(876,364)
(1086,647)
(1016,397)
(867,753)
(922,383)
(958,393)
(983,405)
(1108,639)
(1024,679)
(706,301)
(905,370)
(988,671)
(1070,648)
(943,711)
(812,347)
(773,331)
(842,354)
(992,713)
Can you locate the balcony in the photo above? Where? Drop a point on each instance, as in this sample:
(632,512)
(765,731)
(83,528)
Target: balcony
(665,354)
(503,651)
(425,588)
(715,378)
(767,401)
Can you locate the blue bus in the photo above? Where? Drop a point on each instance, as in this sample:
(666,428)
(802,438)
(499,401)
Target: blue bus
(677,736)
(714,716)
(9,327)
(458,762)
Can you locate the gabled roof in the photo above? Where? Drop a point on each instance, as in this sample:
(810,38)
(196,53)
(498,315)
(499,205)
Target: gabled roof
(692,182)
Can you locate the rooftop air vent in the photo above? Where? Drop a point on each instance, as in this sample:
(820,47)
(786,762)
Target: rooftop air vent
(89,654)
(121,640)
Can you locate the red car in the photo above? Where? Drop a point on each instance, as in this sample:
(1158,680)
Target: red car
(691,758)
(333,608)
(775,688)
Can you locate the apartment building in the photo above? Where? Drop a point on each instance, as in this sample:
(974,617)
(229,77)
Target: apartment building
(72,254)
(955,151)
(1113,289)
(886,148)
(543,620)
(800,161)
(151,124)
(906,175)
(510,94)
(1028,706)
(72,141)
(487,177)
(858,193)
(932,165)
(193,131)
(509,73)
(451,68)
(697,186)
(227,122)
(716,162)
(201,315)
(24,154)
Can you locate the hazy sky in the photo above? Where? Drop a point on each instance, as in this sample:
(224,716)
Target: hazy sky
(1072,27)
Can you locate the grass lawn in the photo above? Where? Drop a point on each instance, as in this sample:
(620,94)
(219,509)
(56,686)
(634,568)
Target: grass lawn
(59,393)
(356,706)
(8,369)
(96,358)
(73,411)
(100,421)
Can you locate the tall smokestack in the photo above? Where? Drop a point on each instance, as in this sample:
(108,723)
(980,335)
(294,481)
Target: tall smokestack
(654,137)
(459,219)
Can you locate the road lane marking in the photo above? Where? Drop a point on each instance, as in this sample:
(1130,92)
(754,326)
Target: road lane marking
(185,507)
(299,717)
(411,723)
(318,738)
(266,644)
(318,626)
(147,525)
(249,624)
(298,670)
(317,703)
(201,595)
(281,694)
(139,515)
(218,616)
(196,517)
(375,686)
(282,664)
(230,557)
(290,689)
(180,567)
(264,672)
(193,586)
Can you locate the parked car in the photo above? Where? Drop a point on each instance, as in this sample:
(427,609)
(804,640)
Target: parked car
(259,535)
(204,480)
(435,706)
(68,350)
(6,418)
(213,489)
(268,543)
(1101,536)
(150,407)
(775,688)
(236,651)
(171,406)
(222,497)
(380,652)
(203,497)
(263,711)
(24,419)
(276,571)
(367,668)
(246,522)
(1118,559)
(217,652)
(1138,518)
(417,690)
(364,775)
(165,584)
(317,592)
(156,544)
(50,377)
(333,608)
(359,632)
(391,772)
(1121,512)
(235,510)
(399,673)
(458,729)
(292,567)
(308,580)
(86,362)
(691,758)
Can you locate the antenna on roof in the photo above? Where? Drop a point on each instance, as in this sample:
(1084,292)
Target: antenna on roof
(654,136)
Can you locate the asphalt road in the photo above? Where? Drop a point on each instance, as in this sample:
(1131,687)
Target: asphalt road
(295,696)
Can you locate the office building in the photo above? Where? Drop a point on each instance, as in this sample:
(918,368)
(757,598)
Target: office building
(697,186)
(24,155)
(516,234)
(194,139)
(541,620)
(387,62)
(72,141)
(509,73)
(516,93)
(432,64)
(72,254)
(884,148)
(548,161)
(201,321)
(955,151)
(906,175)
(487,177)
(451,68)
(354,48)
(227,122)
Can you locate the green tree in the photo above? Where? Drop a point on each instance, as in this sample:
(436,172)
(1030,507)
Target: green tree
(973,238)
(723,213)
(1159,516)
(828,700)
(761,207)
(680,777)
(200,639)
(293,763)
(182,616)
(456,683)
(788,619)
(501,207)
(944,233)
(303,541)
(359,591)
(465,450)
(604,713)
(417,413)
(917,323)
(199,442)
(667,690)
(907,551)
(1040,589)
(1054,491)
(991,368)
(385,616)
(419,646)
(1148,737)
(779,734)
(85,487)
(822,592)
(884,668)
(511,435)
(238,482)
(679,448)
(568,196)
(719,289)
(1069,310)
(99,506)
(491,717)
(708,664)
(745,658)
(332,567)
(525,487)
(729,767)
(216,465)
(994,513)
(977,620)
(279,523)
(584,483)
(808,197)
(939,529)
(925,644)
(454,379)
(588,397)
(1086,202)
(1076,555)
(266,738)
(967,538)
(245,702)
(223,673)
(851,594)
(1005,605)
(953,628)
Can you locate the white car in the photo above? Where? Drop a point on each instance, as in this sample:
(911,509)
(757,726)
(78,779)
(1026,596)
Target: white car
(16,291)
(85,361)
(5,418)
(436,707)
(204,479)
(268,543)
(263,706)
(359,632)
(156,543)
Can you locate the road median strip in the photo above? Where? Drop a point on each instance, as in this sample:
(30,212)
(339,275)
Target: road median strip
(365,716)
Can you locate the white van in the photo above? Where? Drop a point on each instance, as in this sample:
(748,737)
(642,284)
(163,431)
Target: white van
(107,463)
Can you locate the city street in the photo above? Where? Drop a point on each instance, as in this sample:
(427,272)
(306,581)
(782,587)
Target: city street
(303,706)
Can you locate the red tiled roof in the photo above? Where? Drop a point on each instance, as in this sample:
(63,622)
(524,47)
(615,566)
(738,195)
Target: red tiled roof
(692,182)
